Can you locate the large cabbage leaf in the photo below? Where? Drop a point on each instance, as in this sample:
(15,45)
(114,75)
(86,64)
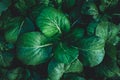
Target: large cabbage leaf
(91,50)
(33,48)
(53,24)
(104,29)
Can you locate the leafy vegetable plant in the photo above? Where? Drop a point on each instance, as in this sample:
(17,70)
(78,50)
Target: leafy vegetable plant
(59,40)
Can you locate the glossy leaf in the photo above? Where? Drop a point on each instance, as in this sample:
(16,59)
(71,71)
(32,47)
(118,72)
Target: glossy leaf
(91,50)
(33,48)
(75,66)
(53,24)
(65,54)
(55,70)
(13,30)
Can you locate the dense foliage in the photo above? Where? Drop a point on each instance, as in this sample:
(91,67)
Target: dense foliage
(59,40)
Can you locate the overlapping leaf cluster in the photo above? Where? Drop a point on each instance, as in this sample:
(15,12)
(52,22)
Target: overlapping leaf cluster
(59,40)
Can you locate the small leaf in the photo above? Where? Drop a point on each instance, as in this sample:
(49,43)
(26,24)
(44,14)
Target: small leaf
(55,70)
(24,5)
(73,77)
(13,30)
(108,68)
(75,66)
(4,4)
(12,74)
(89,8)
(75,34)
(6,59)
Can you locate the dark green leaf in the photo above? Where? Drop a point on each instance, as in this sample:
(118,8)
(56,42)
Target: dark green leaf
(24,5)
(108,68)
(6,59)
(89,8)
(75,35)
(65,54)
(4,4)
(12,74)
(75,66)
(13,29)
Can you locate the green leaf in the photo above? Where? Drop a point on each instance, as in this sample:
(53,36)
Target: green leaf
(24,5)
(74,15)
(55,70)
(73,77)
(75,34)
(75,66)
(53,24)
(91,50)
(33,48)
(108,68)
(12,74)
(107,4)
(107,30)
(6,59)
(5,19)
(91,28)
(104,29)
(16,73)
(35,76)
(28,26)
(58,3)
(18,26)
(69,3)
(89,8)
(13,29)
(4,4)
(45,2)
(111,51)
(65,54)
